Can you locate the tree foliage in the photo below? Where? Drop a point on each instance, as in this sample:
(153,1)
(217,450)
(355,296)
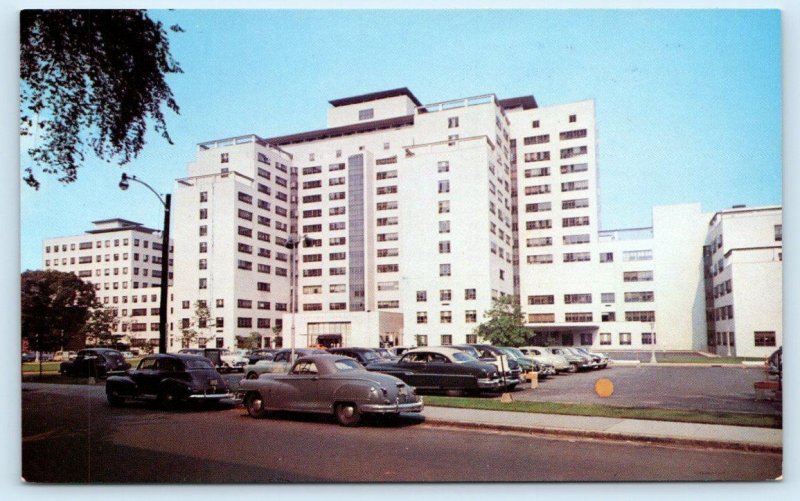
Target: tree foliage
(55,307)
(250,342)
(505,323)
(91,76)
(199,325)
(100,325)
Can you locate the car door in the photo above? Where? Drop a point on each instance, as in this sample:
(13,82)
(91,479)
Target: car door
(297,389)
(146,377)
(441,373)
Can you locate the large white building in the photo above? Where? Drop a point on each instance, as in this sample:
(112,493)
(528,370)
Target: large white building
(122,259)
(418,215)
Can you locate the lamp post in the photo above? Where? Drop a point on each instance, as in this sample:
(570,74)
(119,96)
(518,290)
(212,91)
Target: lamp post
(291,244)
(653,342)
(162,309)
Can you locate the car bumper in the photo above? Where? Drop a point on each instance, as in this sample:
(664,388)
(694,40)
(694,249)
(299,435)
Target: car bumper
(394,408)
(210,396)
(488,384)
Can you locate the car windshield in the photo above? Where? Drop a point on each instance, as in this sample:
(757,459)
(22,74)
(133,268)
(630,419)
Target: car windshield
(461,357)
(347,364)
(371,355)
(515,352)
(198,363)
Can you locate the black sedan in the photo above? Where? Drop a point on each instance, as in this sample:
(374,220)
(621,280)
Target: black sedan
(169,379)
(94,362)
(365,356)
(441,368)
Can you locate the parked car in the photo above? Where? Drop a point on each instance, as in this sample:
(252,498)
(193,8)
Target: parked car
(386,354)
(94,362)
(543,355)
(576,360)
(169,379)
(529,364)
(281,362)
(254,356)
(28,356)
(224,360)
(330,384)
(495,356)
(599,360)
(441,368)
(365,356)
(127,355)
(399,350)
(61,356)
(774,363)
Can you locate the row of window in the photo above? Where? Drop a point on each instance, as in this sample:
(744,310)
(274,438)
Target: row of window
(565,169)
(586,298)
(446,317)
(99,244)
(446,295)
(541,189)
(624,338)
(444,339)
(587,316)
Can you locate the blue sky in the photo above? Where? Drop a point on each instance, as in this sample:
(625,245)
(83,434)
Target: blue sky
(688,102)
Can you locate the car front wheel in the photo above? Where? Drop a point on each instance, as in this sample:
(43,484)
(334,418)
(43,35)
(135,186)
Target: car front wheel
(168,399)
(254,404)
(347,414)
(573,368)
(251,375)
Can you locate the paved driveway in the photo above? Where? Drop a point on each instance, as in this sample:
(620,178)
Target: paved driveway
(698,388)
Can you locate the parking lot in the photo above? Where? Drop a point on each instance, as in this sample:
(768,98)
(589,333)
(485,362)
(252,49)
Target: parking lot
(727,389)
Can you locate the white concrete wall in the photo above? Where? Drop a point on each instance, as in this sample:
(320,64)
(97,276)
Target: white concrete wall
(382,109)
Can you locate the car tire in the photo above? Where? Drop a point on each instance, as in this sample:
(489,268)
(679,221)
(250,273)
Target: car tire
(347,414)
(573,368)
(254,404)
(251,375)
(114,399)
(168,399)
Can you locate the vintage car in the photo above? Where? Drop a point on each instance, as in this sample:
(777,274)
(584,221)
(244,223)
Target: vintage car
(599,360)
(168,379)
(254,356)
(529,364)
(509,369)
(224,360)
(281,361)
(365,356)
(442,368)
(577,361)
(543,355)
(94,362)
(331,384)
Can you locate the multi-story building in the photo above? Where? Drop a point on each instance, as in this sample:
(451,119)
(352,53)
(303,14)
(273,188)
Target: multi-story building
(743,288)
(123,260)
(233,216)
(416,217)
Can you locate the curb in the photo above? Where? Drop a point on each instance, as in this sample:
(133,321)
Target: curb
(560,432)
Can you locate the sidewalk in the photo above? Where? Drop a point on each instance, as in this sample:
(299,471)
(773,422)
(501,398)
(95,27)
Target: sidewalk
(640,430)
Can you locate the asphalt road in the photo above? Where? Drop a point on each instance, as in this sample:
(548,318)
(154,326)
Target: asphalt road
(71,435)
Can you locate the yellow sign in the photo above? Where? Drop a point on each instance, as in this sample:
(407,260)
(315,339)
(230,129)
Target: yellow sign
(604,387)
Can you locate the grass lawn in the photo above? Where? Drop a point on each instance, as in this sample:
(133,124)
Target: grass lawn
(679,415)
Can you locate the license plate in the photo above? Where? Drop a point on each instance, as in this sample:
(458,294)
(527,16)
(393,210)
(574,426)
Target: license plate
(212,382)
(401,391)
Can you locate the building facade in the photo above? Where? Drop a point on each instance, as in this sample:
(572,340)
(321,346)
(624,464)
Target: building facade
(413,217)
(122,259)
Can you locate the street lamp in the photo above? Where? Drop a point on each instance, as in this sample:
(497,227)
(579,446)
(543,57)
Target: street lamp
(653,342)
(124,184)
(291,244)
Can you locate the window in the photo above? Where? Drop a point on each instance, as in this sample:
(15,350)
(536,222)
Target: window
(569,222)
(637,255)
(608,316)
(444,270)
(202,283)
(585,316)
(244,322)
(535,124)
(446,317)
(576,239)
(446,339)
(539,242)
(388,268)
(470,316)
(539,224)
(586,339)
(422,317)
(764,338)
(540,139)
(386,174)
(573,118)
(444,226)
(244,197)
(573,257)
(386,205)
(572,134)
(444,186)
(538,172)
(444,206)
(452,122)
(469,294)
(778,237)
(606,257)
(648,338)
(444,247)
(422,296)
(223,158)
(577,298)
(575,204)
(443,166)
(639,297)
(537,189)
(624,338)
(540,259)
(575,186)
(640,316)
(538,207)
(537,156)
(445,295)
(574,151)
(542,318)
(366,114)
(605,338)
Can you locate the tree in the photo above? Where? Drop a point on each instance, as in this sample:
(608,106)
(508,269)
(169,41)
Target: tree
(100,325)
(505,324)
(55,307)
(91,76)
(251,341)
(198,325)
